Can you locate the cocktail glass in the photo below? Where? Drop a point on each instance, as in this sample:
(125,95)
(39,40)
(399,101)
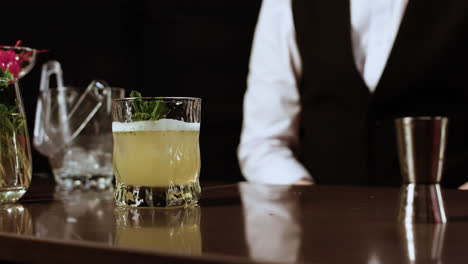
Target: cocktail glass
(156,151)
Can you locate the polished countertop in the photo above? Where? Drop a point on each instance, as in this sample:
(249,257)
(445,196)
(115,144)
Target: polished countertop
(236,223)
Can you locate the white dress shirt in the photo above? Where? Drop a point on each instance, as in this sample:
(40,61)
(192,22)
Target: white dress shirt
(271,103)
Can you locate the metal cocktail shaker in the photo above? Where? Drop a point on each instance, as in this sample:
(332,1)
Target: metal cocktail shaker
(421,149)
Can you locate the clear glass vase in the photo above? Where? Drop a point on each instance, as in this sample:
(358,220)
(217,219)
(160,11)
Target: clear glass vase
(15,151)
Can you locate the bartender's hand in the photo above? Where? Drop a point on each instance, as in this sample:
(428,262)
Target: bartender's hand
(308,182)
(464,186)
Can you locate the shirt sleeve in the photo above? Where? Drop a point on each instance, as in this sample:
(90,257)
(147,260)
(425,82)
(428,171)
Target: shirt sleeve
(271,102)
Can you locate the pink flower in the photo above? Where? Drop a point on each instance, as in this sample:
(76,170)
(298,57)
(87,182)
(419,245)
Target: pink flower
(9,61)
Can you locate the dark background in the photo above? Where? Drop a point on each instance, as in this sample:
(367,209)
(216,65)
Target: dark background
(161,48)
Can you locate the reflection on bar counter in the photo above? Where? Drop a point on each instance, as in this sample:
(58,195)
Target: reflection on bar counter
(423,243)
(272,217)
(168,231)
(16,219)
(77,212)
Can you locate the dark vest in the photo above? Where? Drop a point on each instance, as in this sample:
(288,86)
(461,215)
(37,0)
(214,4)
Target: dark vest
(347,133)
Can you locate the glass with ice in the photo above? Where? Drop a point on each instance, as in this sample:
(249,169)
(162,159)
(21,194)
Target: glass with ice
(85,161)
(73,128)
(156,151)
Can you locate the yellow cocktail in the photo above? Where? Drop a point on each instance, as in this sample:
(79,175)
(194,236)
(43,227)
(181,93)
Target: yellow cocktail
(163,155)
(156,153)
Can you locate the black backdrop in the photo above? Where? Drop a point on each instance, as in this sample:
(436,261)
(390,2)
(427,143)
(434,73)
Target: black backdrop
(161,48)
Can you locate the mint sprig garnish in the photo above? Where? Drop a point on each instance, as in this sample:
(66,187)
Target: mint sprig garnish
(144,110)
(6,77)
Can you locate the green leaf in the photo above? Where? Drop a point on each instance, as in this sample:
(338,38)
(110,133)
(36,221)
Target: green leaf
(11,120)
(4,109)
(136,103)
(5,77)
(147,109)
(159,111)
(141,116)
(6,122)
(134,93)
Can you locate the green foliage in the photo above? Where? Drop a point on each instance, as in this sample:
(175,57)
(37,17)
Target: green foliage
(5,77)
(144,110)
(14,153)
(10,120)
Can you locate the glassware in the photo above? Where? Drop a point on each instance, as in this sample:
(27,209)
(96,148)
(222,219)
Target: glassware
(175,231)
(86,161)
(15,151)
(156,151)
(73,129)
(63,112)
(24,55)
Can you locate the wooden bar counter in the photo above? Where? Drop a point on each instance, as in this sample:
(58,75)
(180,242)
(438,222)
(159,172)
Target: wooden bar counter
(238,223)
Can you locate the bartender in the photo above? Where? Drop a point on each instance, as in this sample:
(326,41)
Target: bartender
(327,79)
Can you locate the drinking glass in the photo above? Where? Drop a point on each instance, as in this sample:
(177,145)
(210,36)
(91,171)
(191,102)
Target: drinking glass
(156,151)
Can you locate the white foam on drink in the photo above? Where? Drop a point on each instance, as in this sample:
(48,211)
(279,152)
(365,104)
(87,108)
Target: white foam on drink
(158,125)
